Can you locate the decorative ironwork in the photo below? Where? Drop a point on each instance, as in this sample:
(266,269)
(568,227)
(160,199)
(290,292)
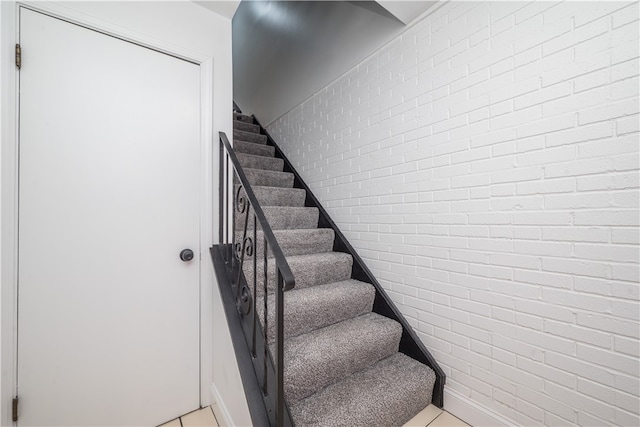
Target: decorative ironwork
(244,301)
(241,200)
(249,279)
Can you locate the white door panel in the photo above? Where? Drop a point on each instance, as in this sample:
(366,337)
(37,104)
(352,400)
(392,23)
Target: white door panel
(109,194)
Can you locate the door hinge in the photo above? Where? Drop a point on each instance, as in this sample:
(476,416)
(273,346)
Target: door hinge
(18,56)
(14,410)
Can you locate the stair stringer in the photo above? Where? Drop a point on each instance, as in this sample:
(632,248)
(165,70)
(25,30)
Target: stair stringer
(410,344)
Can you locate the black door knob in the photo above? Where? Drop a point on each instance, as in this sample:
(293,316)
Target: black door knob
(186,255)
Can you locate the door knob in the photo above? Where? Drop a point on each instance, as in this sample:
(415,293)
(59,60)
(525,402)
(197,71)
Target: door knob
(186,255)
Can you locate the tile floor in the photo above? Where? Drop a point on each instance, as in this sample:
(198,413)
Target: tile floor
(204,417)
(431,416)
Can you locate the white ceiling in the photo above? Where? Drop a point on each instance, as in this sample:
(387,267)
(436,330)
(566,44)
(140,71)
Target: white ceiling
(226,8)
(406,11)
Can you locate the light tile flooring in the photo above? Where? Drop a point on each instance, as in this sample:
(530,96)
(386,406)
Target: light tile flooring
(431,416)
(201,418)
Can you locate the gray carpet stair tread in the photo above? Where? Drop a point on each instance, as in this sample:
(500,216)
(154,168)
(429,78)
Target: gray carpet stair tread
(260,162)
(253,148)
(242,117)
(293,242)
(284,218)
(305,241)
(308,270)
(267,178)
(249,137)
(246,126)
(318,269)
(308,309)
(324,356)
(274,196)
(291,217)
(389,393)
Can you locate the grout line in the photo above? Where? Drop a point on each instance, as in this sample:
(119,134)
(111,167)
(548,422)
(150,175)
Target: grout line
(214,416)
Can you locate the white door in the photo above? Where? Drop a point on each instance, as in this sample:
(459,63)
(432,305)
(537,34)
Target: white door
(108,320)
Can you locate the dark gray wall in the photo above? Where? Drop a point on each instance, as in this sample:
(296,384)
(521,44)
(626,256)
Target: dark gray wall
(284,51)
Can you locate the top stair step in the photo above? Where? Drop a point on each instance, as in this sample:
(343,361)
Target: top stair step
(247,127)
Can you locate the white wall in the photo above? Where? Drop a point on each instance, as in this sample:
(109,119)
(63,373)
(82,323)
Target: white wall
(192,32)
(485,165)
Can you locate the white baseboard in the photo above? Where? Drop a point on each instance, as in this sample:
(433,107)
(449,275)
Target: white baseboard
(472,413)
(222,413)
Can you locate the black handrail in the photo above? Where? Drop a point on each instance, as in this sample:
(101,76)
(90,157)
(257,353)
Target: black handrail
(246,300)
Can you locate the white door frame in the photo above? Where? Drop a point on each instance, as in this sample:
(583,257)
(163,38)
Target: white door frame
(9,30)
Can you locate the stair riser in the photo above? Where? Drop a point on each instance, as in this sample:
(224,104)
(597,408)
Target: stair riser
(292,243)
(268,196)
(245,126)
(308,309)
(283,218)
(307,272)
(253,148)
(260,162)
(249,137)
(242,117)
(258,177)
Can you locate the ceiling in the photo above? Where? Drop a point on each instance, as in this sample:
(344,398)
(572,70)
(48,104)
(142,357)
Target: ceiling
(226,8)
(284,51)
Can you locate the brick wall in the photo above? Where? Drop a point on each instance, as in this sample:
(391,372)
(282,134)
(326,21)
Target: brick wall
(485,165)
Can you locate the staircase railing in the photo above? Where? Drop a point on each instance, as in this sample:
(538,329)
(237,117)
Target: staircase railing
(241,219)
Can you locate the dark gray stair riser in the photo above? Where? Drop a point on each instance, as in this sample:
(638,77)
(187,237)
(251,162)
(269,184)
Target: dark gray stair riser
(242,117)
(249,137)
(292,242)
(308,270)
(265,178)
(324,356)
(389,393)
(253,148)
(260,162)
(319,306)
(283,218)
(245,126)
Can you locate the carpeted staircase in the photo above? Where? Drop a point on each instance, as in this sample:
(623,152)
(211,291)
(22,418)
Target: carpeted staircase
(342,365)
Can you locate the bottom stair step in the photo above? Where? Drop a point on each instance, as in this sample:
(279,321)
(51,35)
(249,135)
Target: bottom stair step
(389,393)
(324,356)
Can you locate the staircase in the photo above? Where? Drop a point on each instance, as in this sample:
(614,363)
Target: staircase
(342,364)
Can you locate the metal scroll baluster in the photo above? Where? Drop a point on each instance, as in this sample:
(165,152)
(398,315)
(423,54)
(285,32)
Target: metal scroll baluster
(255,281)
(265,390)
(229,216)
(280,350)
(222,222)
(241,207)
(237,206)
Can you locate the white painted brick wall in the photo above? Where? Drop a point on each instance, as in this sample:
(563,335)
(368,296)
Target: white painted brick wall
(485,165)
